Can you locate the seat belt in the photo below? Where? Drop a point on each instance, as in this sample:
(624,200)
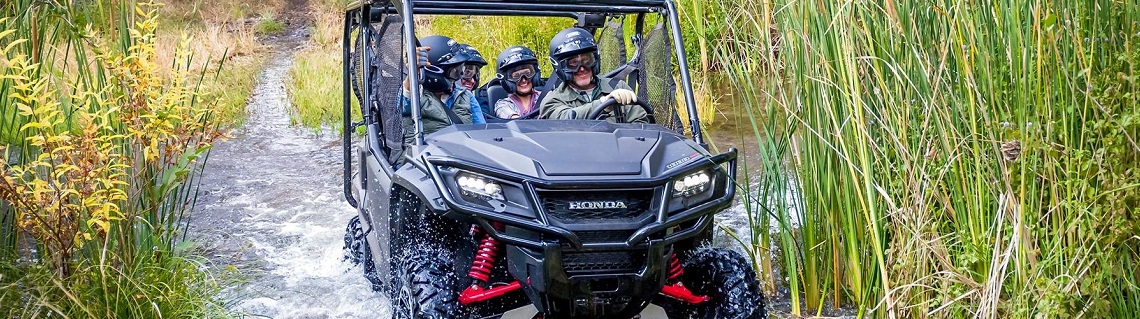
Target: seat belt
(447,109)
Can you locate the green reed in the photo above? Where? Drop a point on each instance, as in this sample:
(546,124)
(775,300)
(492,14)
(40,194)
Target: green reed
(956,158)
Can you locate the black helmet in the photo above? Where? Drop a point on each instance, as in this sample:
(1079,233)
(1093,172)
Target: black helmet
(567,44)
(464,54)
(470,54)
(511,58)
(434,79)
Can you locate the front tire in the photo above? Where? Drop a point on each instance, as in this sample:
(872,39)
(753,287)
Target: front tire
(428,289)
(426,283)
(727,278)
(356,251)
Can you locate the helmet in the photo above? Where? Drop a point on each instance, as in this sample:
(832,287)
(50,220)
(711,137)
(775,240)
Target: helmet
(469,57)
(471,54)
(567,44)
(513,57)
(435,79)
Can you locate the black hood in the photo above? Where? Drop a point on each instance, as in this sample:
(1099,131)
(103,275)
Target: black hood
(554,149)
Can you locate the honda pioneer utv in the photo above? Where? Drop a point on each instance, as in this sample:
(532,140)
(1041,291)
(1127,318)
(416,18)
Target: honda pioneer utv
(536,218)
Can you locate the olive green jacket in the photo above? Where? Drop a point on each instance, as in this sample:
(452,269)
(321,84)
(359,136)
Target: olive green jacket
(564,103)
(433,113)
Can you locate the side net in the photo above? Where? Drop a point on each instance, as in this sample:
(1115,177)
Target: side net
(611,45)
(655,84)
(385,74)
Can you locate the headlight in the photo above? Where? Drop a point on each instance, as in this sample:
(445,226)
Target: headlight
(478,186)
(691,184)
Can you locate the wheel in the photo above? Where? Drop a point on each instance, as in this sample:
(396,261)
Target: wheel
(426,284)
(356,251)
(428,288)
(727,279)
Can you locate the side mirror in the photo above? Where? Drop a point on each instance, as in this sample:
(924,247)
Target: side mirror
(591,21)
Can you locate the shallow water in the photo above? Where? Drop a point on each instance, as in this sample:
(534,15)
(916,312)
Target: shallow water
(270,204)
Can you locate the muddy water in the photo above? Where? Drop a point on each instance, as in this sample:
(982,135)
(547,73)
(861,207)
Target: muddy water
(270,205)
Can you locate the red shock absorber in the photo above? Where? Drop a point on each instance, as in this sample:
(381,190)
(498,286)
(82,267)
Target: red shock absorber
(675,270)
(677,289)
(481,268)
(484,256)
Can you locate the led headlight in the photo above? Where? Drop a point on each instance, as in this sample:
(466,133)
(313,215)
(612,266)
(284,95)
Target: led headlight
(691,184)
(478,186)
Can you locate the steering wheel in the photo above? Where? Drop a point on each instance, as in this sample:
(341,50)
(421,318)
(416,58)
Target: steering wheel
(597,111)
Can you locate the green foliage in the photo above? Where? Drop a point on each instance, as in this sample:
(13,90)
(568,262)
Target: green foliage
(267,25)
(101,154)
(956,162)
(315,92)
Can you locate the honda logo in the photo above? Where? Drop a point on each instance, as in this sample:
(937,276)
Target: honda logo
(598,205)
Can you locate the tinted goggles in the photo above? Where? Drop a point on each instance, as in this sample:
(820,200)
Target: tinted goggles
(518,73)
(463,71)
(582,60)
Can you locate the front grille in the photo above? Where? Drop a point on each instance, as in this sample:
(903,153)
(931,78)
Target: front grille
(604,236)
(602,262)
(596,206)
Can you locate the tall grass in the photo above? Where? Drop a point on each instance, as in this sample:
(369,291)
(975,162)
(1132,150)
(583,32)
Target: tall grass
(225,46)
(102,149)
(958,158)
(315,77)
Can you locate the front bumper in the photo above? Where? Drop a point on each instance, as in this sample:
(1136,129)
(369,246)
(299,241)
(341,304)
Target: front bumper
(586,268)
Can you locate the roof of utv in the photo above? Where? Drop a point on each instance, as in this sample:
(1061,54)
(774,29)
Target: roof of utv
(519,7)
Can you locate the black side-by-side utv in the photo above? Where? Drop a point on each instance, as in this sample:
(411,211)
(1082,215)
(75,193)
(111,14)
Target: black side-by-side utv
(535,218)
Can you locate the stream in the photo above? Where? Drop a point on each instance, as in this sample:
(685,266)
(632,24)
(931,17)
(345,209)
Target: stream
(271,205)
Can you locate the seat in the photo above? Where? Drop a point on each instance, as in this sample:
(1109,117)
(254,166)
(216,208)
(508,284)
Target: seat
(494,94)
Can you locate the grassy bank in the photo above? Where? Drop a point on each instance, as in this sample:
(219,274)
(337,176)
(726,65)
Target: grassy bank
(315,82)
(105,123)
(952,161)
(225,37)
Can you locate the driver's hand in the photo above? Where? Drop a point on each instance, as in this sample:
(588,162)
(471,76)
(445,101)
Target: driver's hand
(623,96)
(422,56)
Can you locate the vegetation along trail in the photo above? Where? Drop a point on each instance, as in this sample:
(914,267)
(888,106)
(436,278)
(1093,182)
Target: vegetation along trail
(270,205)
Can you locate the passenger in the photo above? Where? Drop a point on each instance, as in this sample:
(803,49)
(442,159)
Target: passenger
(441,101)
(575,58)
(517,69)
(472,63)
(463,67)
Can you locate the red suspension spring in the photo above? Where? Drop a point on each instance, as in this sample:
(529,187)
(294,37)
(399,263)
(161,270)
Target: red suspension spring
(678,289)
(481,270)
(675,270)
(484,256)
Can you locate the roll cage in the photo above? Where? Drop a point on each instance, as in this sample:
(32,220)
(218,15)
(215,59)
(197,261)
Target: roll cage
(588,12)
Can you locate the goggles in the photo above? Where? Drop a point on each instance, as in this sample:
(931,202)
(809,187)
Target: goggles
(521,72)
(463,71)
(582,60)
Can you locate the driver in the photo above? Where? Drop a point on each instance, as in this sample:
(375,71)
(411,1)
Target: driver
(517,68)
(575,58)
(441,101)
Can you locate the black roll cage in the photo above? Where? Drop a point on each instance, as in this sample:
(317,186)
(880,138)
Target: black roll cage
(540,8)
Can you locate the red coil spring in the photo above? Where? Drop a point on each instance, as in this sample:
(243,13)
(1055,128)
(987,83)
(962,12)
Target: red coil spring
(675,270)
(484,256)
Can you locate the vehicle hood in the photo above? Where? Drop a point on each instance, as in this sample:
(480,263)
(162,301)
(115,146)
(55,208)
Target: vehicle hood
(556,149)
